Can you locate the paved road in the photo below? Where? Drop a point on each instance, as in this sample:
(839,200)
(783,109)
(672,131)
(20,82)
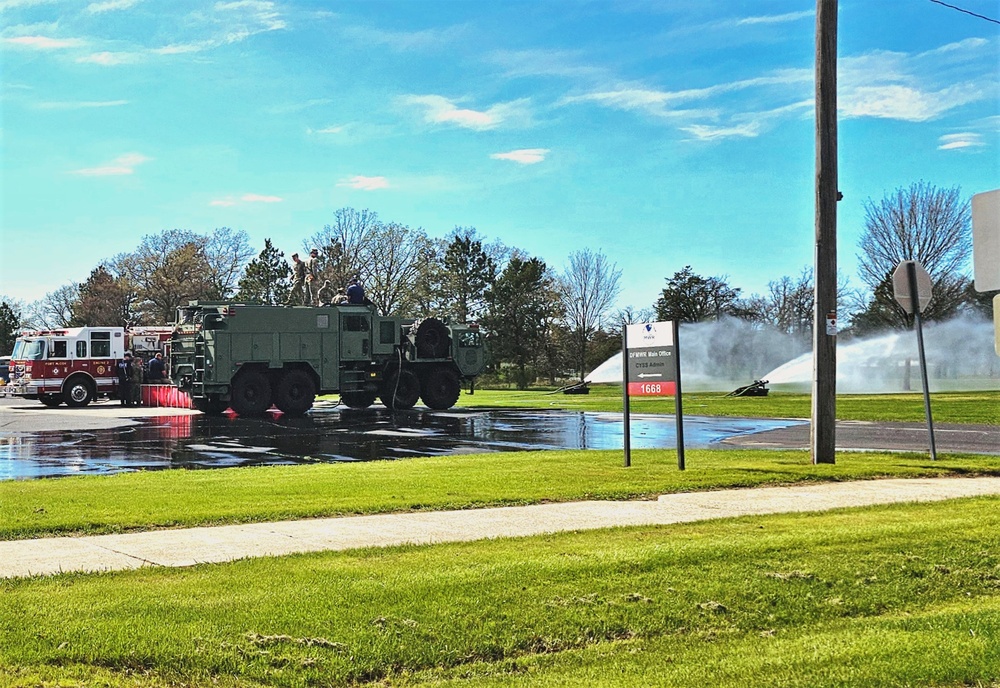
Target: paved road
(186,547)
(864,435)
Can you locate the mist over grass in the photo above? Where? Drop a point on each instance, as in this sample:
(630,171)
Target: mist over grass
(727,353)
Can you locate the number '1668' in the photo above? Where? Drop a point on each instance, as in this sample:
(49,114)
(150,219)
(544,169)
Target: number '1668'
(651,388)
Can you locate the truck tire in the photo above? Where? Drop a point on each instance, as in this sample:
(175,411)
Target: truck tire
(251,394)
(210,406)
(78,392)
(51,400)
(295,393)
(357,400)
(404,385)
(440,388)
(432,338)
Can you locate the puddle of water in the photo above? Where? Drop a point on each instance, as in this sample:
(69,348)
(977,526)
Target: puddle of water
(337,435)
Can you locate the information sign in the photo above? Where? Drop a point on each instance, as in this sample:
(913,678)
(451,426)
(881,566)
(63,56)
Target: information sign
(652,369)
(652,361)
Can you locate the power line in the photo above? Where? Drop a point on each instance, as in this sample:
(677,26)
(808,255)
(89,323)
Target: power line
(989,19)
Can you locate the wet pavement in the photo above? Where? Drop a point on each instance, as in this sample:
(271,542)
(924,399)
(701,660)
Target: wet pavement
(336,434)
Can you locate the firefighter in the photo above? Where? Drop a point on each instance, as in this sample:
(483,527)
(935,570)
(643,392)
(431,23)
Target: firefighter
(296,296)
(136,377)
(125,380)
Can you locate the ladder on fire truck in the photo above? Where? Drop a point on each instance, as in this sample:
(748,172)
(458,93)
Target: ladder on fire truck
(198,379)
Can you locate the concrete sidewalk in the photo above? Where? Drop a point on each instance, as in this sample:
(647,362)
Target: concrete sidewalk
(189,546)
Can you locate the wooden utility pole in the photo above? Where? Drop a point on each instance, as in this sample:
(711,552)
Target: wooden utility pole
(824,391)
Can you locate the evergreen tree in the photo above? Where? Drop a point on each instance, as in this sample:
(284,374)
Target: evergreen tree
(522,303)
(104,300)
(689,297)
(10,324)
(267,278)
(468,271)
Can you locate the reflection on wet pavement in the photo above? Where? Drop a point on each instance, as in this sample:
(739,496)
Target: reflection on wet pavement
(338,434)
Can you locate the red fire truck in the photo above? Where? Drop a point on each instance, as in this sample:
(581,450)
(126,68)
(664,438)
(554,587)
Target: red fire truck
(77,364)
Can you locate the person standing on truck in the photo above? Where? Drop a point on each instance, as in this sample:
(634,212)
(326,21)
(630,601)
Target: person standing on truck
(312,274)
(297,295)
(355,293)
(125,380)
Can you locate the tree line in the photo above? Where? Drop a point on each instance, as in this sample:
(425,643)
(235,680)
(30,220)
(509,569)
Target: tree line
(543,323)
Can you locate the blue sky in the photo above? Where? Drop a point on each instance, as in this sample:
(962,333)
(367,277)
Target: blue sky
(662,133)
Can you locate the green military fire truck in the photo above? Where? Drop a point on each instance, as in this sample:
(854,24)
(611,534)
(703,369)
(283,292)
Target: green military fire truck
(249,357)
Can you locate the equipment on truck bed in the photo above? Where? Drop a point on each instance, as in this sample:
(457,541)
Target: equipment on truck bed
(249,357)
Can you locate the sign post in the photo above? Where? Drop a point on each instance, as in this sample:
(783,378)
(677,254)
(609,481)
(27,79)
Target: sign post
(986,251)
(911,286)
(650,367)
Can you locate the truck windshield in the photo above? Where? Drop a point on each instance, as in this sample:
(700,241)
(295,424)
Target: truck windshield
(29,350)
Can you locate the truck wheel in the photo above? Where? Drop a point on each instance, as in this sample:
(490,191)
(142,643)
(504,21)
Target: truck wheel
(440,388)
(78,392)
(251,394)
(296,393)
(432,338)
(358,400)
(404,385)
(51,400)
(210,406)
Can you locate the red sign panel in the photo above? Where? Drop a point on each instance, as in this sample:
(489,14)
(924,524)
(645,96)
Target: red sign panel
(652,389)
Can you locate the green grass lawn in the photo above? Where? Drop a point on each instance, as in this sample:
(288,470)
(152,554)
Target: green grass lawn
(162,499)
(946,407)
(900,595)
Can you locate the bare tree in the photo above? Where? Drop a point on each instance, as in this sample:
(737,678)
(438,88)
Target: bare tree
(346,245)
(922,223)
(168,269)
(227,252)
(396,257)
(589,287)
(55,309)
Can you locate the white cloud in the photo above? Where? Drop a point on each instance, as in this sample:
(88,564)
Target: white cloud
(183,48)
(43,42)
(109,59)
(441,110)
(340,129)
(109,5)
(15,4)
(523,156)
(122,165)
(776,18)
(229,201)
(246,18)
(907,103)
(365,183)
(81,104)
(966,139)
(406,40)
(705,132)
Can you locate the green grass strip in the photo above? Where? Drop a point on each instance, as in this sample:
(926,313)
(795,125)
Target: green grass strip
(165,499)
(981,407)
(888,596)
